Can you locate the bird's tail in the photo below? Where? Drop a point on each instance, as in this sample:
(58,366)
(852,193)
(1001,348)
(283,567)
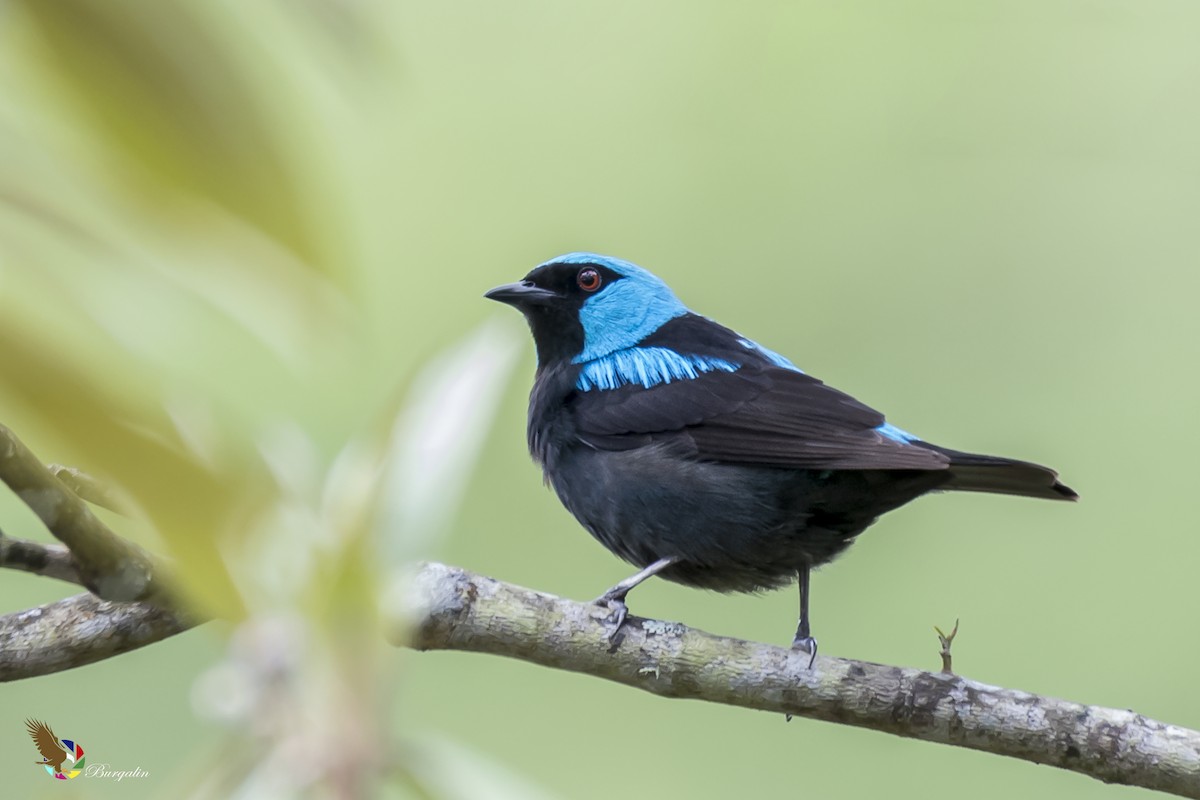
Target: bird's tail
(975,473)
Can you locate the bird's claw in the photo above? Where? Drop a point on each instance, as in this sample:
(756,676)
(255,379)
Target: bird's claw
(617,612)
(806,644)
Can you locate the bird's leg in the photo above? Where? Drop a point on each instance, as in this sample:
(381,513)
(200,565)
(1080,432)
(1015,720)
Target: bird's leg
(804,640)
(614,598)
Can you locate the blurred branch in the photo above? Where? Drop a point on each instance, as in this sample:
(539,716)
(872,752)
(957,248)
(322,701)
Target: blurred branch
(110,567)
(50,560)
(88,627)
(88,488)
(77,631)
(459,610)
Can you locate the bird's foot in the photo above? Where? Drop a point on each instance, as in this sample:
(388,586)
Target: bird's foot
(806,644)
(617,612)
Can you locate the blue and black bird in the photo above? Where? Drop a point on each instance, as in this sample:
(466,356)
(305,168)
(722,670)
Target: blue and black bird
(701,456)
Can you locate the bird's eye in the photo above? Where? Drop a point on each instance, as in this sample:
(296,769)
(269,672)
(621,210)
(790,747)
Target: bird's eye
(588,279)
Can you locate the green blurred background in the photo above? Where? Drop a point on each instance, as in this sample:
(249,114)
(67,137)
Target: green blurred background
(242,252)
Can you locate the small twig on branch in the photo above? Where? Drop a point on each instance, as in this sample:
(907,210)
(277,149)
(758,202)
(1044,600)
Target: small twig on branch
(947,639)
(458,610)
(77,631)
(50,560)
(110,567)
(88,488)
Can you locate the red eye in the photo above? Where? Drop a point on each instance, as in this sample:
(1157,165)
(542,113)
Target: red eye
(588,279)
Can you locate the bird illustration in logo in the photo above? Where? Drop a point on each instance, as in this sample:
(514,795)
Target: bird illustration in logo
(54,751)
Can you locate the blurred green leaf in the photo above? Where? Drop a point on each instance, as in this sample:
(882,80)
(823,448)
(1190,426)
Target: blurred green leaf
(166,91)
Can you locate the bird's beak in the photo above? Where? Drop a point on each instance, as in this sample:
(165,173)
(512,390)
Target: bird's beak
(524,293)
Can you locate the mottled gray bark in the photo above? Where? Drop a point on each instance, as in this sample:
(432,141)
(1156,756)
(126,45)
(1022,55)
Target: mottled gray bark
(77,631)
(453,609)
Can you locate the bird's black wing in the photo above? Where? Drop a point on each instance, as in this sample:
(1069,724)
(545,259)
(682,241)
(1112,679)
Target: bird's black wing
(770,416)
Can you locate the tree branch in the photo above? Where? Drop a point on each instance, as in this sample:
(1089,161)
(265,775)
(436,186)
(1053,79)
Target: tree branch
(77,631)
(88,488)
(110,567)
(453,609)
(88,627)
(459,610)
(50,560)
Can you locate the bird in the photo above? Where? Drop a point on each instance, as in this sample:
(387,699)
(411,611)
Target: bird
(702,457)
(52,750)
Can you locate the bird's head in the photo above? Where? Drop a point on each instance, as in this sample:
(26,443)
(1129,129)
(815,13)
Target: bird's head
(583,306)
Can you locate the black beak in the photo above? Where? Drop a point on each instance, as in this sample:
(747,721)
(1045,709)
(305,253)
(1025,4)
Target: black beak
(520,294)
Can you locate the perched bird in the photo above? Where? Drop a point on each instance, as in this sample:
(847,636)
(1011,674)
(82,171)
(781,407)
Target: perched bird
(701,456)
